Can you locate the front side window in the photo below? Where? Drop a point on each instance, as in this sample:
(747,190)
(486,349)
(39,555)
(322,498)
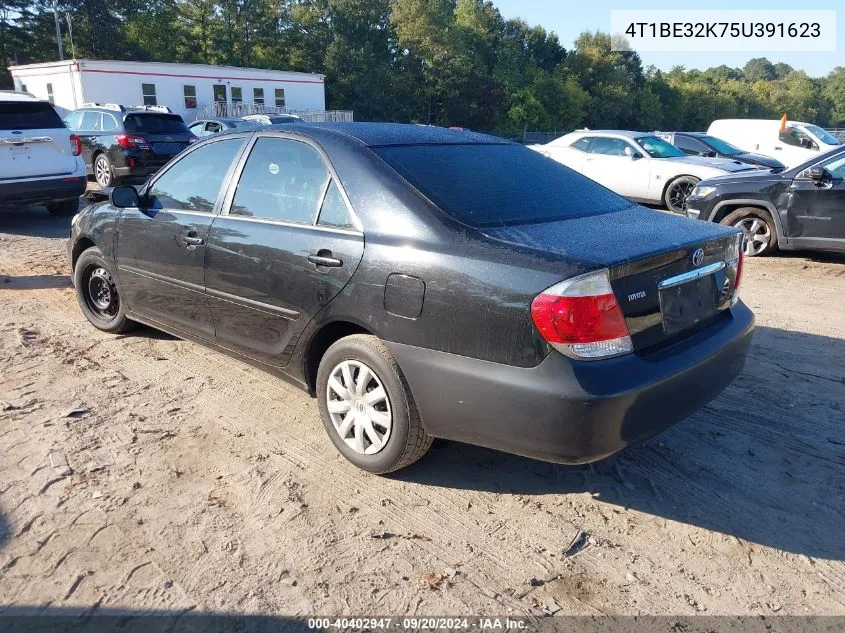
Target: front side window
(334,211)
(608,146)
(148,92)
(656,147)
(73,120)
(258,96)
(836,167)
(282,180)
(689,145)
(796,137)
(193,183)
(190,97)
(280,97)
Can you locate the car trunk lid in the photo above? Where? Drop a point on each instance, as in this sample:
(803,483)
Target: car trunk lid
(655,262)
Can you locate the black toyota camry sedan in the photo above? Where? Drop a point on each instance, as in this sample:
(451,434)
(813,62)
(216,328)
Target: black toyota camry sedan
(422,283)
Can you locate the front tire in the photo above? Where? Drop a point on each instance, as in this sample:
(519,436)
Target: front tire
(63,208)
(103,173)
(677,192)
(760,234)
(367,408)
(98,295)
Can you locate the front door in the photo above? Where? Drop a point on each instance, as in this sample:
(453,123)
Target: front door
(161,248)
(286,247)
(817,208)
(609,165)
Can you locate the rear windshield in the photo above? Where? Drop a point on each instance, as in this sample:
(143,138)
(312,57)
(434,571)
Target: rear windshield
(498,185)
(155,123)
(28,115)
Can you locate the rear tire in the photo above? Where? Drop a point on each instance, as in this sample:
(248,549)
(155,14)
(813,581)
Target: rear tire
(761,237)
(677,192)
(63,208)
(374,423)
(103,173)
(98,295)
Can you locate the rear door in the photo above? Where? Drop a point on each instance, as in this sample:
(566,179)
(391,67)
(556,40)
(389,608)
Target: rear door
(33,141)
(160,248)
(285,245)
(816,209)
(90,128)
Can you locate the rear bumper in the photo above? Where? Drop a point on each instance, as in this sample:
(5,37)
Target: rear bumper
(573,411)
(41,191)
(138,163)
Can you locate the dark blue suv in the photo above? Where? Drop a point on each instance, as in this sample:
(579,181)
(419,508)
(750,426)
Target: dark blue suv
(122,142)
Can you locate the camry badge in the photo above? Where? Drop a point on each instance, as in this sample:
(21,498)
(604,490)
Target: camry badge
(698,257)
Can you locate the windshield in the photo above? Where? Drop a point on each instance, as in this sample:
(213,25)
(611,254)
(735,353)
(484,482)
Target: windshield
(722,147)
(499,184)
(155,124)
(823,135)
(658,148)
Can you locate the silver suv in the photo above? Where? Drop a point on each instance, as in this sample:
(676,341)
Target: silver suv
(41,159)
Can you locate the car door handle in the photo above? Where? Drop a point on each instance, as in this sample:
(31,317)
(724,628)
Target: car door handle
(325,258)
(192,241)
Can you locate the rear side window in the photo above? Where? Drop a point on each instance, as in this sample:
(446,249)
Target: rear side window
(583,144)
(282,180)
(155,124)
(334,212)
(90,121)
(28,115)
(498,185)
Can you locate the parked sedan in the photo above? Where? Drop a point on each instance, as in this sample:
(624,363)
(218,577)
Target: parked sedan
(637,165)
(801,208)
(421,283)
(207,127)
(701,144)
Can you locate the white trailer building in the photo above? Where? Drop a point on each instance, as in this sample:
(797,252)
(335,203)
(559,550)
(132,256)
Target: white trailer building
(184,88)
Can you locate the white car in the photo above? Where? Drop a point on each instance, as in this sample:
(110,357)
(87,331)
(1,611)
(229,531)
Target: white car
(40,158)
(796,143)
(637,165)
(272,119)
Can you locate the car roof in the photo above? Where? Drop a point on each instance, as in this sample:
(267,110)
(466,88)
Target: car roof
(393,134)
(16,95)
(628,133)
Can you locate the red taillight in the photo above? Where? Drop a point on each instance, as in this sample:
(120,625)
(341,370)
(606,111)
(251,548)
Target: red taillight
(75,145)
(581,318)
(130,141)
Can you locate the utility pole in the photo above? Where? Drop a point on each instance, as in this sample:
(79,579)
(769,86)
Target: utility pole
(58,30)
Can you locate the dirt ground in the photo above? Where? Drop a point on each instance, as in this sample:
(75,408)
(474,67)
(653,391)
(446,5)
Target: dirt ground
(146,472)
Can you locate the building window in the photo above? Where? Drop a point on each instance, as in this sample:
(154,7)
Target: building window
(50,93)
(258,96)
(190,97)
(280,97)
(148,92)
(237,95)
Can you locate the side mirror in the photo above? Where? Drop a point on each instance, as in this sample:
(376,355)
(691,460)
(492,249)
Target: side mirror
(816,173)
(125,197)
(630,153)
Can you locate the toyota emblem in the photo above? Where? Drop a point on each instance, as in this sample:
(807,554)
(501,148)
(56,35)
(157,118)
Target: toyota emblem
(698,257)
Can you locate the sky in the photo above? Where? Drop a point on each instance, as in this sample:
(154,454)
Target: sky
(568,19)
